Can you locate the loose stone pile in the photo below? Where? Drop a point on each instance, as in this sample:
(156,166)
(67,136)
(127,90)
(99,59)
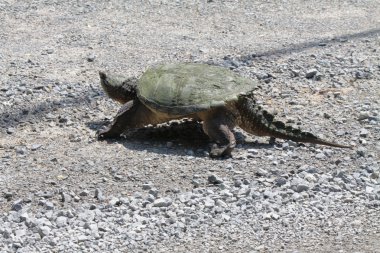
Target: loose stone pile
(268,202)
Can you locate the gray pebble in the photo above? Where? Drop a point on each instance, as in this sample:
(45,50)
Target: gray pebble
(84,193)
(237,183)
(147,186)
(311,73)
(361,151)
(99,194)
(221,203)
(82,238)
(320,156)
(154,192)
(65,197)
(17,205)
(208,202)
(11,130)
(362,75)
(20,232)
(44,231)
(196,182)
(280,181)
(363,132)
(295,72)
(253,151)
(261,172)
(364,115)
(301,188)
(214,179)
(91,57)
(114,201)
(34,147)
(162,202)
(20,150)
(49,205)
(61,221)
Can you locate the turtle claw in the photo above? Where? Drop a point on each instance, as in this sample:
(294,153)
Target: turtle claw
(103,134)
(220,151)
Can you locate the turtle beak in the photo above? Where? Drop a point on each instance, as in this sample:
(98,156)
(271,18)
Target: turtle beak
(102,76)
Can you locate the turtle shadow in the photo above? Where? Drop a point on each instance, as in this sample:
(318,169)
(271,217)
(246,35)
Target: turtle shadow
(175,138)
(183,138)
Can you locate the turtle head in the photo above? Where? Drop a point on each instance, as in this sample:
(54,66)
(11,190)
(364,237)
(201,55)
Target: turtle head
(118,88)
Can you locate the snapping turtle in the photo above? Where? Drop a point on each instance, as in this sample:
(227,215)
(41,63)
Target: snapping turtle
(217,96)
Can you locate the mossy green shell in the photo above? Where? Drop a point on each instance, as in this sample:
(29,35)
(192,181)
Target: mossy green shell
(189,87)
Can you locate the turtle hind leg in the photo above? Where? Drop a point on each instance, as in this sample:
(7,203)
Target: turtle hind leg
(131,115)
(218,127)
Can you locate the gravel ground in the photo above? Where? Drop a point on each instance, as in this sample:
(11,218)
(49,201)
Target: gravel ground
(61,190)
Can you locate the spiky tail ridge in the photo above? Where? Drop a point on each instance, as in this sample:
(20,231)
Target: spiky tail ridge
(259,122)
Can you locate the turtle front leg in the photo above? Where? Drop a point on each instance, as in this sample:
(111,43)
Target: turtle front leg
(131,115)
(218,127)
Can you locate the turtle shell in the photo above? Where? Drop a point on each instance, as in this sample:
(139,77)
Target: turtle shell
(190,87)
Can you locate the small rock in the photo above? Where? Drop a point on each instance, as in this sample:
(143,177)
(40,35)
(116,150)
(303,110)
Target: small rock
(237,183)
(361,151)
(262,75)
(17,205)
(261,172)
(24,217)
(49,205)
(295,72)
(320,156)
(209,202)
(221,203)
(154,192)
(162,202)
(301,188)
(44,231)
(363,132)
(34,147)
(20,150)
(8,195)
(115,201)
(99,194)
(275,216)
(61,221)
(65,197)
(91,57)
(20,232)
(280,181)
(82,238)
(364,115)
(214,179)
(147,186)
(84,193)
(318,77)
(362,75)
(196,182)
(326,115)
(11,130)
(253,151)
(311,73)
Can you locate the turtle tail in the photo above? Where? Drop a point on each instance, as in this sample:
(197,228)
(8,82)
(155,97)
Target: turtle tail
(259,122)
(118,88)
